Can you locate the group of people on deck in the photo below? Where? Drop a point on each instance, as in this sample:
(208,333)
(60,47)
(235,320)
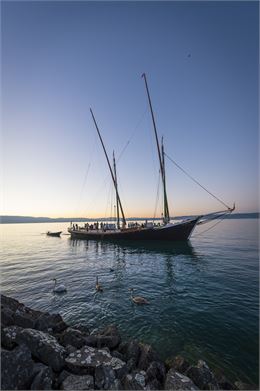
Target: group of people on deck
(103,227)
(89,227)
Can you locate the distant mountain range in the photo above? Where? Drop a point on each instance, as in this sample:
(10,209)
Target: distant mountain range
(29,219)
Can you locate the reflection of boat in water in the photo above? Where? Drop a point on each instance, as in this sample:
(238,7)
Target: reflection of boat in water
(142,246)
(56,234)
(167,231)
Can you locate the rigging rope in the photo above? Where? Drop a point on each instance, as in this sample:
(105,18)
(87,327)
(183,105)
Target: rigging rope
(132,135)
(194,180)
(82,188)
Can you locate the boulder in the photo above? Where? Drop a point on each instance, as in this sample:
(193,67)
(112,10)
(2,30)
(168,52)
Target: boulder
(156,370)
(87,359)
(73,337)
(10,303)
(58,379)
(177,381)
(134,381)
(224,383)
(44,347)
(81,327)
(70,349)
(91,340)
(131,353)
(116,354)
(179,364)
(47,321)
(75,382)
(108,337)
(23,319)
(104,377)
(16,368)
(245,386)
(116,385)
(9,335)
(43,379)
(6,316)
(202,376)
(147,355)
(153,385)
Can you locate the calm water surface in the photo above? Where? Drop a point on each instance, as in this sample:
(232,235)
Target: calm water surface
(203,296)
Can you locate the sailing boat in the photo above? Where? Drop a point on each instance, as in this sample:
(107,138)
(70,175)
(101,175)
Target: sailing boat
(180,231)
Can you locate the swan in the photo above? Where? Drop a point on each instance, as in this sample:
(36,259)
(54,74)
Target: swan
(138,299)
(98,286)
(60,288)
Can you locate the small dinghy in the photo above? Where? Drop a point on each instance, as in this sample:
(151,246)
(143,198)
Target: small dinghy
(49,233)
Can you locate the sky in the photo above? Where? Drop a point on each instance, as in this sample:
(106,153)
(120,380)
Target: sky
(61,58)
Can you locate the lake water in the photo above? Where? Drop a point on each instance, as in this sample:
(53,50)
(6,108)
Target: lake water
(203,296)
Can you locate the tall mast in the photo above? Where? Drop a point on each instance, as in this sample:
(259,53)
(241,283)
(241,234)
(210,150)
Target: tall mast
(161,159)
(117,205)
(165,203)
(110,169)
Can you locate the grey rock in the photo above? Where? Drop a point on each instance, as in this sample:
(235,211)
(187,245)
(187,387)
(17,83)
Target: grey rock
(9,335)
(58,379)
(134,381)
(116,354)
(177,381)
(224,383)
(82,328)
(108,337)
(130,350)
(75,382)
(245,386)
(9,302)
(91,340)
(140,378)
(104,377)
(116,385)
(16,368)
(153,385)
(156,370)
(46,321)
(131,365)
(6,316)
(87,359)
(44,347)
(202,376)
(180,364)
(72,337)
(147,355)
(43,379)
(70,349)
(23,319)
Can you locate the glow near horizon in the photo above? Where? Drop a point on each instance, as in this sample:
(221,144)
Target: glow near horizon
(59,59)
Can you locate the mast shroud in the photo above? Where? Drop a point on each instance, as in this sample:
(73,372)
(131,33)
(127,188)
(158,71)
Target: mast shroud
(110,169)
(161,158)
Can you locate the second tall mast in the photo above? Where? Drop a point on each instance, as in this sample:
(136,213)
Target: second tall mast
(160,155)
(110,169)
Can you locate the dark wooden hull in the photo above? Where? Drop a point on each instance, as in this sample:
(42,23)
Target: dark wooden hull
(56,234)
(175,233)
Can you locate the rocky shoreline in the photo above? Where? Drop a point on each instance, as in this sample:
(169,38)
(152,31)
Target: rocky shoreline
(42,352)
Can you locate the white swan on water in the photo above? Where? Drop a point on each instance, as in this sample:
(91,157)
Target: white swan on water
(60,288)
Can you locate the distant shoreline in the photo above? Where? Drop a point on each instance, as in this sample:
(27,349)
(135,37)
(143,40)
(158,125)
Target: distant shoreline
(30,219)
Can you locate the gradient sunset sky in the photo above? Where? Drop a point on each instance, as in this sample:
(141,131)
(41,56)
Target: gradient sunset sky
(60,58)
